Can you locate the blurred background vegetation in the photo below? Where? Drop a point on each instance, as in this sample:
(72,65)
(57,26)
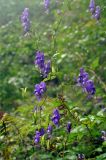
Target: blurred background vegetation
(70,37)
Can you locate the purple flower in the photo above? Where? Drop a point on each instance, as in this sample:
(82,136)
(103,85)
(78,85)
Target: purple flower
(95,10)
(39,90)
(87,84)
(80,157)
(92,6)
(55,120)
(89,87)
(25,20)
(56,113)
(42,87)
(45,68)
(82,78)
(97,13)
(46,4)
(42,131)
(49,129)
(56,117)
(69,127)
(37,137)
(39,59)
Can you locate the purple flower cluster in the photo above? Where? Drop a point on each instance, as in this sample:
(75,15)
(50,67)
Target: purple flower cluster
(85,83)
(95,10)
(39,90)
(41,132)
(39,59)
(25,20)
(89,87)
(38,135)
(46,4)
(82,78)
(45,68)
(68,127)
(56,117)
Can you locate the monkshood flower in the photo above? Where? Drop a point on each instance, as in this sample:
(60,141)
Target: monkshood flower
(39,60)
(97,13)
(37,137)
(68,127)
(44,68)
(56,117)
(39,90)
(92,6)
(89,87)
(25,20)
(80,157)
(49,129)
(82,78)
(42,131)
(56,113)
(87,84)
(46,4)
(95,10)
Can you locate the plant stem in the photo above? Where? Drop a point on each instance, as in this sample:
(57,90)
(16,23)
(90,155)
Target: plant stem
(89,130)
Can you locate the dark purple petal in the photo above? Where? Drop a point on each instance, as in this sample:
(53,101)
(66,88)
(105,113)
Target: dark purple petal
(56,113)
(69,127)
(42,131)
(55,120)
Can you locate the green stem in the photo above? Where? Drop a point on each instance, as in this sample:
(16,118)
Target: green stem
(76,119)
(89,131)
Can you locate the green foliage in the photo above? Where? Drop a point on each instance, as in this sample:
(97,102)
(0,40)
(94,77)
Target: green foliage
(72,39)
